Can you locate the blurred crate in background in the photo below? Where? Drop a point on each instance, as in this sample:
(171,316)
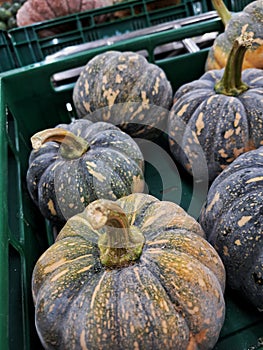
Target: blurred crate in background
(237,5)
(31,47)
(26,45)
(7,57)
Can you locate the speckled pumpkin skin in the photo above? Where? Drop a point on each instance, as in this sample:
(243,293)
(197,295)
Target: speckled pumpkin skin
(252,15)
(128,79)
(171,298)
(233,221)
(223,126)
(111,168)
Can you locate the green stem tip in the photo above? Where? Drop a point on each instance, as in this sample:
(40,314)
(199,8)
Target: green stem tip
(222,11)
(231,83)
(119,244)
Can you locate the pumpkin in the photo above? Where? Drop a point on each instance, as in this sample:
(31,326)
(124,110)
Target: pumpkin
(233,221)
(252,18)
(218,116)
(128,90)
(33,11)
(74,164)
(135,273)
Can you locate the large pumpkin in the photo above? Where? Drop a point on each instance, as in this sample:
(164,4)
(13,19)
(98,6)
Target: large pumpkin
(135,273)
(74,164)
(252,18)
(218,116)
(233,221)
(33,11)
(128,90)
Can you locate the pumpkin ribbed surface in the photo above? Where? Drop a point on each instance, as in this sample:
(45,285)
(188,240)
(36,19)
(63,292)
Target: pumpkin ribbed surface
(233,221)
(169,297)
(218,116)
(62,185)
(250,18)
(123,81)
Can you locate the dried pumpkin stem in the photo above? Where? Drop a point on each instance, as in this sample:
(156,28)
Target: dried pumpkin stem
(222,11)
(231,83)
(119,244)
(72,146)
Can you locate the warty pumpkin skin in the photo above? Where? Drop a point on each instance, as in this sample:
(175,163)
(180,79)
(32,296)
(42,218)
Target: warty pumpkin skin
(220,114)
(67,172)
(136,273)
(233,221)
(124,81)
(252,18)
(33,11)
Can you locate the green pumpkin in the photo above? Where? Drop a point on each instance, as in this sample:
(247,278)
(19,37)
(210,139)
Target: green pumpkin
(127,90)
(136,273)
(251,18)
(219,116)
(233,221)
(74,164)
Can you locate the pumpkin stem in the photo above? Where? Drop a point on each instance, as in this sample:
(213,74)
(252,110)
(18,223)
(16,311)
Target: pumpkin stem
(222,11)
(72,146)
(120,244)
(231,83)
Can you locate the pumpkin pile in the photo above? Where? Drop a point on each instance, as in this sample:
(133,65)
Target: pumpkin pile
(126,270)
(252,18)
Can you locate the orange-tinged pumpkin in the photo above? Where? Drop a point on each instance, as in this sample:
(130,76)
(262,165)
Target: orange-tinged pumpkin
(251,18)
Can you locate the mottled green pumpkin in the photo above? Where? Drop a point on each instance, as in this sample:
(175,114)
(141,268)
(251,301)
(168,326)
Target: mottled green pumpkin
(251,19)
(73,164)
(136,273)
(219,116)
(233,221)
(127,90)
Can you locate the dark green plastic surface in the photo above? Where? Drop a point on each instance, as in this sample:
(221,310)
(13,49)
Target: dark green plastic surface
(7,60)
(237,5)
(29,103)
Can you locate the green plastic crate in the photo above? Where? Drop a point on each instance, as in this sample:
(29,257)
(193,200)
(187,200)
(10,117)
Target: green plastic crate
(29,102)
(237,5)
(7,60)
(79,28)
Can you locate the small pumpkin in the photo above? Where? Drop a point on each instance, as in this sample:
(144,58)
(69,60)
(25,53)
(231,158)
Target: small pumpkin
(33,11)
(233,221)
(252,18)
(74,164)
(219,116)
(128,90)
(136,273)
